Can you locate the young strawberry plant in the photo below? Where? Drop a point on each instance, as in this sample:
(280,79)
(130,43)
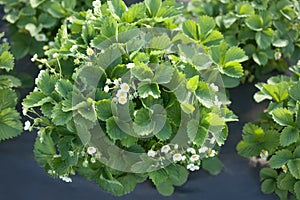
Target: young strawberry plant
(275,138)
(129,93)
(10,124)
(267,31)
(33,23)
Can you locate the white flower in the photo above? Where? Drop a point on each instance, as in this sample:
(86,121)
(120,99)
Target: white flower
(55,55)
(89,51)
(108,81)
(177,157)
(264,154)
(121,93)
(34,57)
(51,43)
(217,102)
(165,149)
(183,158)
(76,61)
(27,125)
(24,111)
(130,65)
(214,87)
(91,150)
(194,158)
(176,146)
(97,4)
(4,40)
(74,48)
(106,88)
(151,153)
(40,37)
(122,100)
(124,87)
(66,179)
(277,55)
(116,82)
(212,153)
(191,150)
(192,167)
(284,168)
(203,150)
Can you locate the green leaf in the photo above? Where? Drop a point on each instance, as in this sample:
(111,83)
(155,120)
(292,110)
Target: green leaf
(113,129)
(286,181)
(46,20)
(204,95)
(206,25)
(135,11)
(178,174)
(288,136)
(165,133)
(280,158)
(33,29)
(294,167)
(190,28)
(235,54)
(59,117)
(161,42)
(117,7)
(268,186)
(196,133)
(254,22)
(192,83)
(267,173)
(214,38)
(153,6)
(212,165)
(277,91)
(283,117)
(8,99)
(10,124)
(44,149)
(104,109)
(110,185)
(142,72)
(149,89)
(233,69)
(295,91)
(6,61)
(46,83)
(261,58)
(264,38)
(163,73)
(165,189)
(35,99)
(297,189)
(87,111)
(36,3)
(63,87)
(187,108)
(55,9)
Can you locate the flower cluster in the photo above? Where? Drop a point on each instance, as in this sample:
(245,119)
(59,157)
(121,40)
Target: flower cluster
(189,157)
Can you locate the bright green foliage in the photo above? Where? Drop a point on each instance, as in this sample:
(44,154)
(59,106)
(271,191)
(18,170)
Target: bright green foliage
(10,124)
(29,19)
(281,122)
(266,31)
(129,81)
